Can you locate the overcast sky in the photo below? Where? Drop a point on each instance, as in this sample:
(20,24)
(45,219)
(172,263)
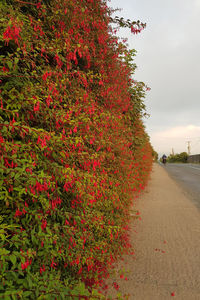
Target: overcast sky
(168,60)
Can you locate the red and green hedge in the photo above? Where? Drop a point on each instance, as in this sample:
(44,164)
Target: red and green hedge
(73,148)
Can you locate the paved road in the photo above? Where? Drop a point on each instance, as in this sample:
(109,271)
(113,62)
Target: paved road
(166,243)
(188,176)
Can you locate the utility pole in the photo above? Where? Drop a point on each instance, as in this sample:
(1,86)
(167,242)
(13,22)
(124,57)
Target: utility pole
(172,151)
(189,147)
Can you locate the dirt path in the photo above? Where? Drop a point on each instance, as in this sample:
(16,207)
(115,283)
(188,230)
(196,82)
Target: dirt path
(166,264)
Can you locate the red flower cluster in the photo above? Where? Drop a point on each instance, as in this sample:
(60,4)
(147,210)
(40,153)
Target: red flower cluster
(12,33)
(27,263)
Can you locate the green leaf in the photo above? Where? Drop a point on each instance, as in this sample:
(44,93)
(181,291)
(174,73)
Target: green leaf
(13,259)
(7,298)
(4,251)
(16,60)
(9,63)
(30,281)
(27,293)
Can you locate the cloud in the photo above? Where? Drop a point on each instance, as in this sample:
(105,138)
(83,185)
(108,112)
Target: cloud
(168,61)
(197,3)
(177,138)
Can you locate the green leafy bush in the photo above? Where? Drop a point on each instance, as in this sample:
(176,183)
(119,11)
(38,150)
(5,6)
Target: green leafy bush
(73,149)
(181,157)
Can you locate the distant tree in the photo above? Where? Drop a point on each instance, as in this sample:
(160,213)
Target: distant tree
(181,157)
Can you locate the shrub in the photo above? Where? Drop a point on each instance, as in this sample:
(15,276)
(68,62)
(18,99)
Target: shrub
(73,146)
(181,157)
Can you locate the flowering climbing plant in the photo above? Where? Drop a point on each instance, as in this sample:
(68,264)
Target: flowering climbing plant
(73,147)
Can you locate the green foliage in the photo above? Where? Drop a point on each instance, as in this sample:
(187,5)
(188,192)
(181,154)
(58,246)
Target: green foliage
(181,157)
(73,148)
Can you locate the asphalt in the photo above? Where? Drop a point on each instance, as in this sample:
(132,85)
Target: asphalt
(187,176)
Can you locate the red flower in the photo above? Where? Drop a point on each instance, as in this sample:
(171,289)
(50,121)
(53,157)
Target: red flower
(116,286)
(18,213)
(26,264)
(38,6)
(135,30)
(42,269)
(1,140)
(53,264)
(11,33)
(46,75)
(49,100)
(5,69)
(36,106)
(44,224)
(7,34)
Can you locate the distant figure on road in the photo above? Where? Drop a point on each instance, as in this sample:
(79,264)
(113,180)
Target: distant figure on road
(164,159)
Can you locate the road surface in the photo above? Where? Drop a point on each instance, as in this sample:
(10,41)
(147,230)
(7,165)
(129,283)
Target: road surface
(166,241)
(188,176)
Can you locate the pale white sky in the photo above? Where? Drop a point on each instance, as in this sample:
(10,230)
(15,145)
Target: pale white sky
(168,60)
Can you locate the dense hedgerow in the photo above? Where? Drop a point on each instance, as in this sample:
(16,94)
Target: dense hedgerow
(179,157)
(73,149)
